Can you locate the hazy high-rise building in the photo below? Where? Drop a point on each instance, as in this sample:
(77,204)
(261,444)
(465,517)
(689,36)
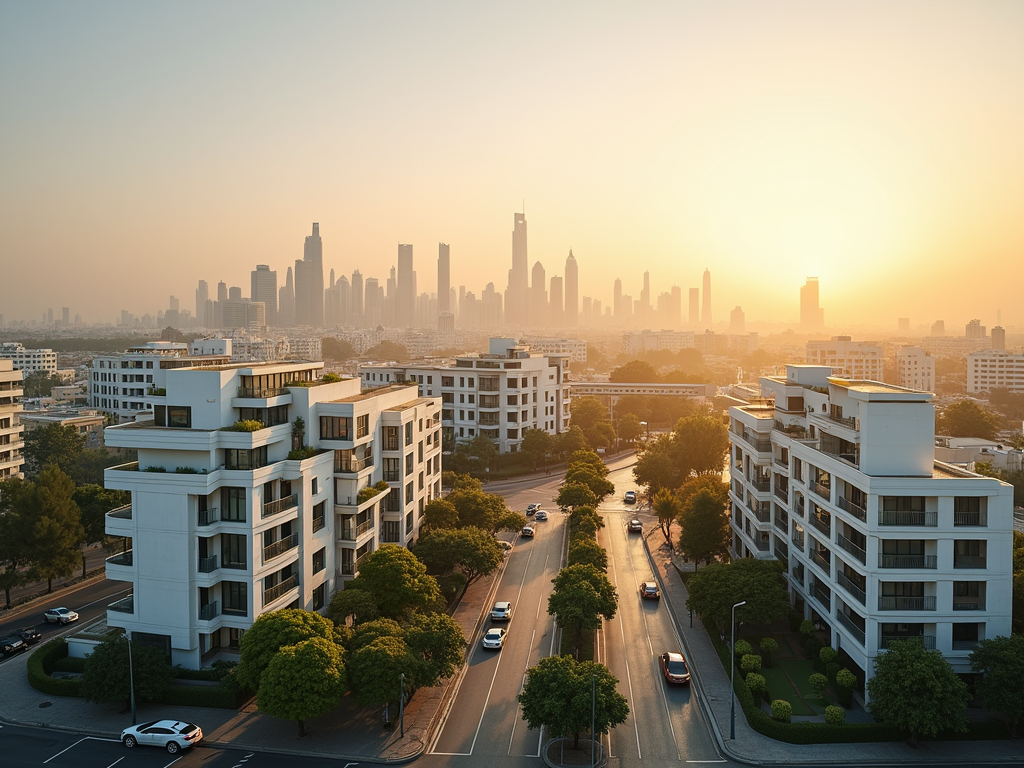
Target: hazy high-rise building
(174,304)
(645,296)
(705,310)
(694,314)
(263,287)
(202,296)
(617,299)
(572,292)
(939,328)
(903,325)
(998,337)
(517,295)
(444,279)
(812,316)
(406,308)
(975,330)
(737,321)
(373,309)
(65,316)
(676,309)
(234,293)
(309,281)
(538,297)
(556,312)
(286,302)
(222,290)
(357,299)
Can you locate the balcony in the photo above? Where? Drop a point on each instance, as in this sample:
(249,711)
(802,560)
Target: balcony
(977,519)
(762,544)
(272,593)
(905,603)
(927,640)
(968,604)
(823,596)
(919,518)
(350,465)
(763,512)
(319,522)
(761,486)
(850,422)
(124,605)
(822,559)
(969,561)
(780,462)
(278,548)
(907,561)
(125,558)
(261,394)
(277,506)
(759,444)
(350,532)
(782,494)
(781,549)
(822,490)
(855,509)
(209,611)
(209,516)
(854,549)
(208,564)
(782,523)
(121,513)
(823,524)
(351,567)
(851,626)
(851,586)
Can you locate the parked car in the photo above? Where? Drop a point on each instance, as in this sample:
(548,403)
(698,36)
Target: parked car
(630,497)
(172,735)
(60,616)
(502,611)
(542,515)
(531,509)
(649,590)
(673,666)
(12,645)
(635,526)
(494,638)
(30,635)
(528,531)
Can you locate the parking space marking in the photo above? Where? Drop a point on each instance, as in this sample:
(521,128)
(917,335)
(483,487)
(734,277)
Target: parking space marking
(169,764)
(115,762)
(86,738)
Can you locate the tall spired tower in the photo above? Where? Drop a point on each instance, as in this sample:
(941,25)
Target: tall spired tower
(705,314)
(572,292)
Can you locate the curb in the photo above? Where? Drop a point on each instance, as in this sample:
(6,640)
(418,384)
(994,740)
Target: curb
(91,578)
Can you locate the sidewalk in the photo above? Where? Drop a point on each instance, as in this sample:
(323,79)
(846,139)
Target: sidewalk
(713,693)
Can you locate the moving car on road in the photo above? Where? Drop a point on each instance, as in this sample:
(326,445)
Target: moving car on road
(30,635)
(542,515)
(528,531)
(630,497)
(501,611)
(172,735)
(649,590)
(673,666)
(60,616)
(635,526)
(531,509)
(12,646)
(494,638)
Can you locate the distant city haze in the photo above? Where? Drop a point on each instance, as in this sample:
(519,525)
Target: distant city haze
(875,146)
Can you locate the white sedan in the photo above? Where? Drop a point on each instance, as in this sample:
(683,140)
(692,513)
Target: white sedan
(494,638)
(172,735)
(60,616)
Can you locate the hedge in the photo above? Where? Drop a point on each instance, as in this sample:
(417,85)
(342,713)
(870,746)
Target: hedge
(219,696)
(69,664)
(42,662)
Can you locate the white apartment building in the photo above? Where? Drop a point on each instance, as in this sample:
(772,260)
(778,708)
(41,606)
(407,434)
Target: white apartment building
(838,479)
(850,359)
(224,526)
(122,384)
(500,394)
(638,342)
(915,369)
(574,349)
(11,442)
(29,360)
(994,369)
(87,422)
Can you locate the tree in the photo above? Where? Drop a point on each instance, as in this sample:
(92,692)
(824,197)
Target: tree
(477,508)
(91,463)
(355,603)
(53,444)
(482,451)
(303,681)
(629,427)
(586,551)
(509,520)
(388,350)
(105,678)
(584,474)
(705,527)
(573,440)
(40,384)
(635,371)
(273,631)
(537,444)
(398,580)
(56,535)
(369,631)
(94,501)
(572,496)
(711,483)
(474,552)
(557,695)
(965,418)
(592,418)
(337,349)
(718,587)
(440,513)
(916,690)
(666,506)
(657,466)
(14,533)
(701,442)
(374,672)
(1000,660)
(582,596)
(588,457)
(439,643)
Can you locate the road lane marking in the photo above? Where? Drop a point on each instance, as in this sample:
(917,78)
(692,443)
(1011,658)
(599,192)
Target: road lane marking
(487,699)
(104,599)
(170,763)
(522,684)
(116,762)
(85,738)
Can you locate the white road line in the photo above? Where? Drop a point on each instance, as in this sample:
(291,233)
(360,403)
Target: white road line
(116,762)
(522,684)
(104,599)
(487,699)
(170,763)
(66,749)
(705,761)
(453,754)
(629,677)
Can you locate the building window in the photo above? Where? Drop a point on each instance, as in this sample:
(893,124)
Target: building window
(315,486)
(362,425)
(233,505)
(408,493)
(235,595)
(319,597)
(408,433)
(245,459)
(319,516)
(335,428)
(319,560)
(409,464)
(392,470)
(233,550)
(179,416)
(513,434)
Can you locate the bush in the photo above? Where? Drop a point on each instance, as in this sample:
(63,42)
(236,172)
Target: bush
(812,648)
(750,662)
(782,711)
(246,425)
(845,680)
(68,664)
(155,469)
(835,715)
(795,618)
(330,378)
(215,674)
(743,648)
(768,646)
(806,627)
(827,654)
(819,683)
(367,493)
(757,685)
(298,454)
(186,470)
(42,662)
(221,696)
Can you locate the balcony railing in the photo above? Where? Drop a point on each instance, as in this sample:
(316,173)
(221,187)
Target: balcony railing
(855,509)
(905,603)
(822,524)
(272,593)
(782,493)
(851,627)
(782,524)
(762,546)
(781,549)
(209,611)
(798,541)
(209,516)
(851,586)
(907,561)
(847,421)
(972,605)
(823,560)
(121,513)
(350,464)
(762,513)
(908,517)
(262,393)
(970,519)
(854,549)
(125,558)
(208,564)
(319,522)
(351,567)
(759,444)
(392,475)
(927,640)
(823,596)
(124,605)
(761,486)
(277,506)
(784,463)
(280,547)
(822,490)
(968,561)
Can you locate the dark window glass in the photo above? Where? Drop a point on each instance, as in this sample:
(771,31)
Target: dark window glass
(232,503)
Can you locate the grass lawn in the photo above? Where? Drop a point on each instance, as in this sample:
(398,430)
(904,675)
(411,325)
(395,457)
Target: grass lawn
(788,679)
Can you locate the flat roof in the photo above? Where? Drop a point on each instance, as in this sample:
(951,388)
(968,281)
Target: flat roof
(366,394)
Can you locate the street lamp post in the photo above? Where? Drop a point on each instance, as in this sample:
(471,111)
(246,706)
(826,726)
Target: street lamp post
(401,705)
(593,715)
(131,678)
(732,674)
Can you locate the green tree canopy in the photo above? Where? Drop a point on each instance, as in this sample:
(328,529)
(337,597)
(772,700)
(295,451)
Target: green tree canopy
(53,444)
(633,372)
(15,529)
(388,350)
(358,604)
(568,442)
(440,513)
(509,520)
(666,506)
(337,349)
(587,457)
(718,587)
(105,678)
(369,631)
(629,427)
(273,631)
(701,443)
(966,418)
(558,696)
(575,495)
(94,501)
(917,691)
(54,545)
(584,474)
(586,551)
(582,596)
(477,508)
(440,645)
(374,671)
(591,416)
(657,466)
(1000,660)
(474,552)
(537,444)
(482,451)
(303,681)
(398,581)
(705,527)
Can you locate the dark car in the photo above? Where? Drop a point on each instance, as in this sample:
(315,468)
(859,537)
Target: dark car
(635,526)
(649,590)
(12,645)
(673,666)
(30,635)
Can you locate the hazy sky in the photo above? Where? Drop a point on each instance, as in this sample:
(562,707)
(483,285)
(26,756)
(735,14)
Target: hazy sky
(877,145)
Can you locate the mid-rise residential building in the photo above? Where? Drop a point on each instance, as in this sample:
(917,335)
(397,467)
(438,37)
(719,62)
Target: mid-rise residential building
(87,422)
(852,359)
(226,524)
(11,442)
(638,342)
(500,395)
(574,349)
(991,369)
(29,360)
(915,369)
(837,478)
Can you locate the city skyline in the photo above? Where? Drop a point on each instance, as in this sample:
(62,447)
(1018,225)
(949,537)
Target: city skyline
(758,136)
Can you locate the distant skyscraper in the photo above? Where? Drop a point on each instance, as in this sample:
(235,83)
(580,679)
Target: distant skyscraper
(263,287)
(572,292)
(903,325)
(357,299)
(676,309)
(444,279)
(705,310)
(286,302)
(517,295)
(975,330)
(556,315)
(998,337)
(202,296)
(309,282)
(538,298)
(737,321)
(222,291)
(65,316)
(372,308)
(694,307)
(645,296)
(617,300)
(939,328)
(811,315)
(406,308)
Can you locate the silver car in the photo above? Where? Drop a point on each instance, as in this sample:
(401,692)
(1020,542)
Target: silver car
(494,639)
(60,616)
(172,735)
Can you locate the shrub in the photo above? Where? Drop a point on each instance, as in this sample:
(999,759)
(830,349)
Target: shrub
(246,425)
(827,654)
(835,715)
(221,696)
(757,685)
(42,662)
(330,378)
(155,469)
(768,646)
(831,670)
(750,662)
(806,627)
(845,680)
(819,683)
(367,493)
(68,664)
(742,648)
(782,711)
(298,454)
(186,470)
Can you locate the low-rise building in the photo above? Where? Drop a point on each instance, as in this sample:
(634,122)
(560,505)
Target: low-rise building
(915,369)
(11,430)
(29,360)
(87,422)
(226,524)
(994,369)
(852,359)
(574,349)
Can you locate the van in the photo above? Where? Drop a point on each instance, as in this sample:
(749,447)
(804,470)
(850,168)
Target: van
(501,612)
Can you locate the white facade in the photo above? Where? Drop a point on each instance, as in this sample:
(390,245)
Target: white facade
(29,360)
(574,349)
(994,369)
(501,394)
(638,342)
(848,358)
(11,442)
(915,369)
(225,527)
(838,479)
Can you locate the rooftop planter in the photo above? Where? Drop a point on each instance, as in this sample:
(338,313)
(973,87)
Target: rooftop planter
(245,425)
(367,493)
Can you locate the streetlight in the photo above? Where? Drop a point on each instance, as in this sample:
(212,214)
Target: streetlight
(732,675)
(593,715)
(131,676)
(401,704)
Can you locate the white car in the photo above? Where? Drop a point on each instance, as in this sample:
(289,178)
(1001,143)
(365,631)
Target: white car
(172,735)
(501,611)
(542,515)
(531,509)
(60,616)
(630,497)
(528,531)
(494,638)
